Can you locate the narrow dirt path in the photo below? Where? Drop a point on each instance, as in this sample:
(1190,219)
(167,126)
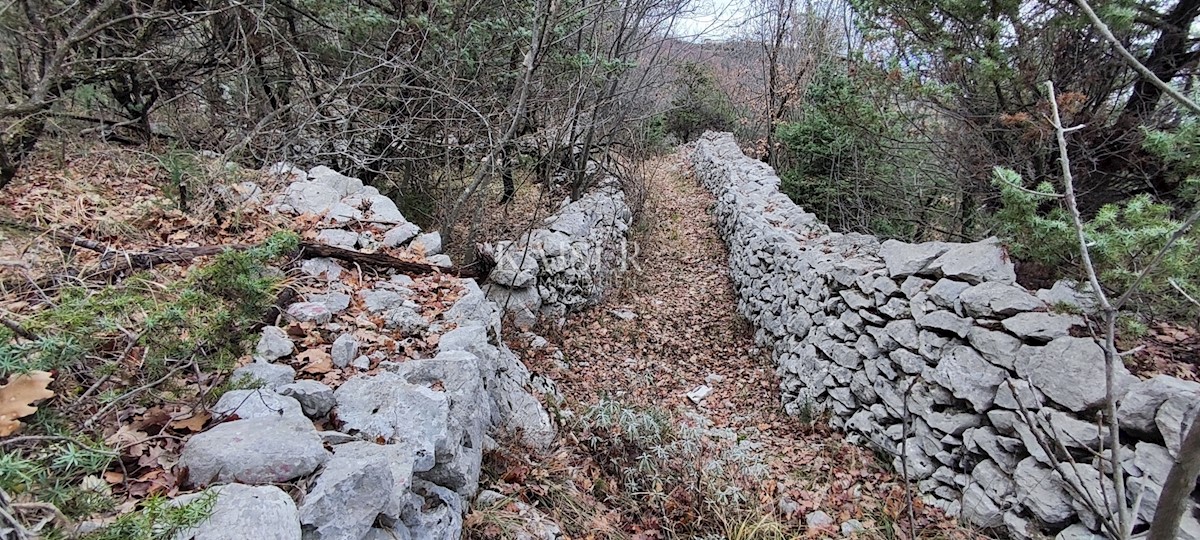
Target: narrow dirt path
(685,332)
(684,327)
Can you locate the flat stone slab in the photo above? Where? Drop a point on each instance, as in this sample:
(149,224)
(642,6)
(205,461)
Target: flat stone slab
(1042,327)
(257,403)
(1070,372)
(976,262)
(270,376)
(265,450)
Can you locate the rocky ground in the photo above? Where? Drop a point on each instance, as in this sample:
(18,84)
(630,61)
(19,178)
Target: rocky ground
(669,340)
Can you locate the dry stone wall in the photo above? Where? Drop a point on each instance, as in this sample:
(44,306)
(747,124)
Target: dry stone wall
(933,354)
(402,438)
(566,264)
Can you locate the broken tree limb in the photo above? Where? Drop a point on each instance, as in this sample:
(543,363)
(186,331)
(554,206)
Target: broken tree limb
(382,260)
(116,263)
(113,262)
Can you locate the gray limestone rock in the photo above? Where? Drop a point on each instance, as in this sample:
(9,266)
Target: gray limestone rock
(311,197)
(383,210)
(380,300)
(241,511)
(817,519)
(1040,490)
(1152,464)
(904,332)
(945,292)
(995,299)
(514,269)
(903,259)
(913,286)
(885,286)
(270,376)
(406,320)
(1175,417)
(458,460)
(1070,293)
(430,242)
(400,234)
(433,512)
(996,483)
(953,423)
(994,446)
(1020,528)
(852,527)
(1016,394)
(361,482)
(338,238)
(388,407)
(316,399)
(976,262)
(895,308)
(333,301)
(520,302)
(273,344)
(1078,532)
(1041,327)
(322,267)
(968,376)
(257,403)
(980,510)
(946,322)
(1070,431)
(919,465)
(264,450)
(996,347)
(310,312)
(909,362)
(854,299)
(341,184)
(1070,372)
(1097,488)
(1139,407)
(344,349)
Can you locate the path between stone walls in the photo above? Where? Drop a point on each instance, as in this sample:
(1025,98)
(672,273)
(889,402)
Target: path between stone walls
(669,336)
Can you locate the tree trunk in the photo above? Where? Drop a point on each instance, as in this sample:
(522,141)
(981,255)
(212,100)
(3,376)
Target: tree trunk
(1176,496)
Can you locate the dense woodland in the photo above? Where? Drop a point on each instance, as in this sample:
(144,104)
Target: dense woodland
(930,121)
(908,119)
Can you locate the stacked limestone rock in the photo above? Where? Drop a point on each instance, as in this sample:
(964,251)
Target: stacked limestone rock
(940,334)
(402,444)
(341,201)
(566,265)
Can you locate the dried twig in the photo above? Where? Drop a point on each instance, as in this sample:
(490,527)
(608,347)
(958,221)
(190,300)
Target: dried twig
(908,496)
(17,328)
(1132,61)
(105,410)
(1123,525)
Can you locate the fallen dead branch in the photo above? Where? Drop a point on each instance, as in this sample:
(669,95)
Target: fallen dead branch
(383,260)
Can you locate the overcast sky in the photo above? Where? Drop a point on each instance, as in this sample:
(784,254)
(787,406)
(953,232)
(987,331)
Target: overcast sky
(712,19)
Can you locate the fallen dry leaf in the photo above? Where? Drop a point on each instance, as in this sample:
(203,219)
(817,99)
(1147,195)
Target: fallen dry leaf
(193,423)
(316,361)
(18,396)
